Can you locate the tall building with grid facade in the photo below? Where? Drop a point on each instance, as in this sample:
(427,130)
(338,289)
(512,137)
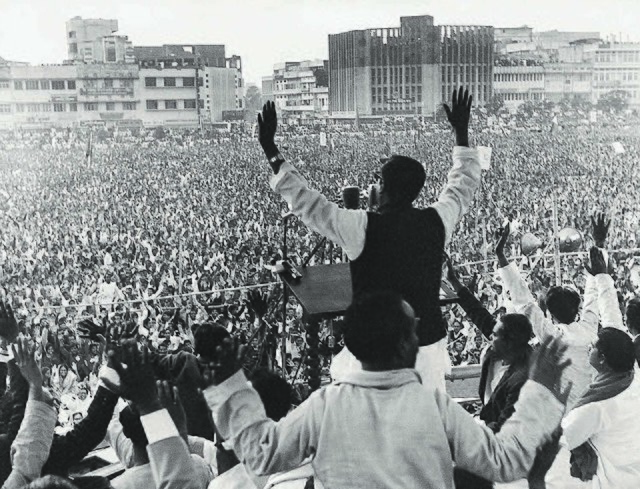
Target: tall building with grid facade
(408,70)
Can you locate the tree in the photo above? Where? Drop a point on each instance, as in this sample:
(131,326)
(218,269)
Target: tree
(253,102)
(614,101)
(495,105)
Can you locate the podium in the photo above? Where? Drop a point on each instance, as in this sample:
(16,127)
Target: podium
(325,292)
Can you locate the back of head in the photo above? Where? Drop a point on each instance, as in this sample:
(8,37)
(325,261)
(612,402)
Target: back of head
(633,315)
(274,391)
(375,326)
(563,303)
(518,329)
(132,427)
(617,348)
(208,337)
(403,178)
(51,482)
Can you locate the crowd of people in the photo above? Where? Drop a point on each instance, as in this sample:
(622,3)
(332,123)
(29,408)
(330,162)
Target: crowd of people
(171,236)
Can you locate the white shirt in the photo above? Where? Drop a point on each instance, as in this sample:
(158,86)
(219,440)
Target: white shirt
(348,228)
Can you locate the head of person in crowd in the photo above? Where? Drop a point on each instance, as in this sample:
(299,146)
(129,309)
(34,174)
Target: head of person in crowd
(275,392)
(633,316)
(401,181)
(207,338)
(51,482)
(563,303)
(510,338)
(612,352)
(380,331)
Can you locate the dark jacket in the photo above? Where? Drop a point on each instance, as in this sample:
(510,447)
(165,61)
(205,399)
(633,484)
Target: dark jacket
(69,449)
(403,252)
(636,345)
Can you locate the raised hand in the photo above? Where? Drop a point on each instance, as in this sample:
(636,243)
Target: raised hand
(600,227)
(459,114)
(170,400)
(137,381)
(598,263)
(547,367)
(88,329)
(452,276)
(26,362)
(502,259)
(8,324)
(229,359)
(267,125)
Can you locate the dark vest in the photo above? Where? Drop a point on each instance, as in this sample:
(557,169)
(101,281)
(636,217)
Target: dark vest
(403,252)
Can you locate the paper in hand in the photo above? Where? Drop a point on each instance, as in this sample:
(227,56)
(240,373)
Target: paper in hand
(485,157)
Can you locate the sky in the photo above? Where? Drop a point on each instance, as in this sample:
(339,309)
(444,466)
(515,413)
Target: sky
(266,32)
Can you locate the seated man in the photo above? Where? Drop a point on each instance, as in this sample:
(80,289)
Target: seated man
(380,427)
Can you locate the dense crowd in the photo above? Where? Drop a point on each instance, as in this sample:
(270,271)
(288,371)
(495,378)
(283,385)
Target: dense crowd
(159,232)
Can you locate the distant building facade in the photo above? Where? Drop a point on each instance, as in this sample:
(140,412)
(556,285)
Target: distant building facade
(95,41)
(299,89)
(408,70)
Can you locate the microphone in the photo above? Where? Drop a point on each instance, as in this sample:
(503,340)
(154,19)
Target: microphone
(351,197)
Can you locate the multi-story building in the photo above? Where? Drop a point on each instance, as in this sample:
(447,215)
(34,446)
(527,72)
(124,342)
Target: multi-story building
(218,92)
(408,70)
(518,84)
(567,81)
(299,89)
(616,66)
(169,96)
(94,41)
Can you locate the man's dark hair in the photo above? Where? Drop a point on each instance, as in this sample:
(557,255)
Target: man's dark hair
(563,303)
(274,391)
(208,337)
(375,325)
(403,178)
(132,427)
(617,348)
(518,329)
(633,315)
(51,482)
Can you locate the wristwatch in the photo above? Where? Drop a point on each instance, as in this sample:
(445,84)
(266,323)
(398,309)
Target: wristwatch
(275,162)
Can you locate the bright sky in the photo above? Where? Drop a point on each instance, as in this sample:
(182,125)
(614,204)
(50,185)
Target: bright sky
(265,32)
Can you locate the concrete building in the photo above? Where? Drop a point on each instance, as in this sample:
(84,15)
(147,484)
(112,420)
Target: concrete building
(218,93)
(518,84)
(616,66)
(408,70)
(168,97)
(94,41)
(300,89)
(567,81)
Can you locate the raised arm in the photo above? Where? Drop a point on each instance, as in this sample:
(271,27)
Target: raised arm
(464,178)
(344,227)
(471,305)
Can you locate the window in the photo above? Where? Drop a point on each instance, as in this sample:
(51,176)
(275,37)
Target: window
(111,106)
(45,107)
(170,104)
(90,107)
(201,104)
(108,83)
(73,107)
(152,104)
(57,107)
(57,84)
(4,83)
(110,51)
(128,105)
(5,109)
(33,108)
(188,82)
(32,84)
(150,82)
(127,83)
(190,104)
(169,82)
(45,84)
(20,108)
(71,84)
(72,34)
